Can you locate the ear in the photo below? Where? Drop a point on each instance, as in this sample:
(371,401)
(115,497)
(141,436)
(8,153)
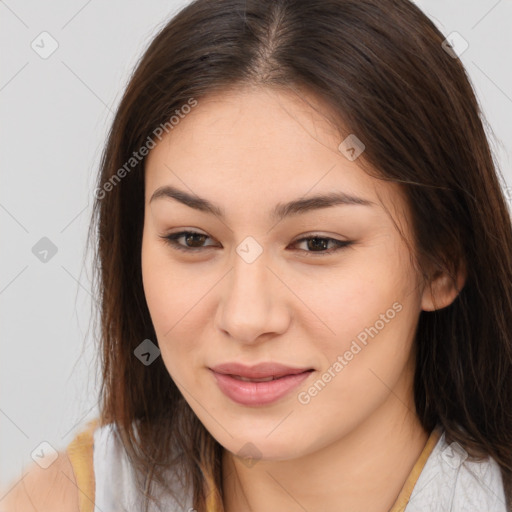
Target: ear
(442,290)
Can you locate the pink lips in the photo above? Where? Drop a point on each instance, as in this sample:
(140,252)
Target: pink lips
(252,392)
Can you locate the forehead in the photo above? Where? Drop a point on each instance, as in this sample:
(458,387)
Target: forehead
(261,144)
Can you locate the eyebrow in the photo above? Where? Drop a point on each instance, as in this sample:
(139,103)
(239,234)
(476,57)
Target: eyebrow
(280,211)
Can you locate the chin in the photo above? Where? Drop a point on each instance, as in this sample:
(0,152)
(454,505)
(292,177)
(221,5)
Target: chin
(254,444)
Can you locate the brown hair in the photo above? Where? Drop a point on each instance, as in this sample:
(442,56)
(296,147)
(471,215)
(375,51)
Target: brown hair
(381,66)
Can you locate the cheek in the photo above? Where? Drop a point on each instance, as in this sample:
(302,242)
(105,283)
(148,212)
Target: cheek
(371,311)
(366,358)
(376,283)
(174,300)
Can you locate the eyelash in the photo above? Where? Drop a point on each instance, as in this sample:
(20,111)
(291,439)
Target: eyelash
(172,241)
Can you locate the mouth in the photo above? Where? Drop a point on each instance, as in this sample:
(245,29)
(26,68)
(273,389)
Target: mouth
(263,379)
(259,372)
(258,385)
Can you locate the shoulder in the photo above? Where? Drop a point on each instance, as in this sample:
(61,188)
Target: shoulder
(62,485)
(455,481)
(94,472)
(51,489)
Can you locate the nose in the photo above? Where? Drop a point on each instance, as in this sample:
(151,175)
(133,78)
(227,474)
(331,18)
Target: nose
(253,304)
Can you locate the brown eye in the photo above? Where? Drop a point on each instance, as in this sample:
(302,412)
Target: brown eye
(319,245)
(193,241)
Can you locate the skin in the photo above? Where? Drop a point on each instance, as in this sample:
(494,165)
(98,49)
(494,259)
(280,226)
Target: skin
(353,445)
(53,489)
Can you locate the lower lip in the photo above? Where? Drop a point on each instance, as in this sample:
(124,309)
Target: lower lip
(258,393)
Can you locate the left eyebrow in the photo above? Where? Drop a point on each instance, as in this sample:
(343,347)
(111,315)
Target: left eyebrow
(280,211)
(300,206)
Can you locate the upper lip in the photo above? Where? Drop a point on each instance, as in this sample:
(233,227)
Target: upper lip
(258,371)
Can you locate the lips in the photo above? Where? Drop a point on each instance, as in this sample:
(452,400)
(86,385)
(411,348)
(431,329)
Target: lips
(258,385)
(260,372)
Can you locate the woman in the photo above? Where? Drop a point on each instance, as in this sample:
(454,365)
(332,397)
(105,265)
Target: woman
(304,264)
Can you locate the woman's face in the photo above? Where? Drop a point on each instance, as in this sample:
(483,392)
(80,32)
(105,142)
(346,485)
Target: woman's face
(249,289)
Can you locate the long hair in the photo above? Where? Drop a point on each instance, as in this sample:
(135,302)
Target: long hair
(382,67)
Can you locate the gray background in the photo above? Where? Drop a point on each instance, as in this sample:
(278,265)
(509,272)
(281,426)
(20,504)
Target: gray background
(55,115)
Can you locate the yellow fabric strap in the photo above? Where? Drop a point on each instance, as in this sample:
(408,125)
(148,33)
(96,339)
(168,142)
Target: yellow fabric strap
(405,493)
(213,501)
(80,453)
